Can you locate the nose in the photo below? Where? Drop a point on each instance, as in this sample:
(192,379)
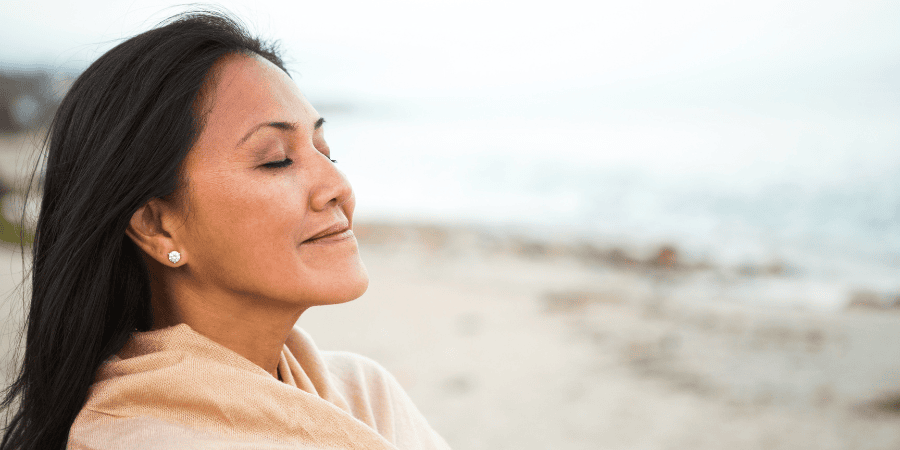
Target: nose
(331,188)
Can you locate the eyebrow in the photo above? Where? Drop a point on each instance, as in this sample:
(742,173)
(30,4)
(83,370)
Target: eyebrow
(285,126)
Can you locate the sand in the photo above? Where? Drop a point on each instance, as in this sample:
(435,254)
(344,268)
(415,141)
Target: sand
(503,347)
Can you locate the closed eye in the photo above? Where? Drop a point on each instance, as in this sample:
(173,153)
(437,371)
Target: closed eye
(278,164)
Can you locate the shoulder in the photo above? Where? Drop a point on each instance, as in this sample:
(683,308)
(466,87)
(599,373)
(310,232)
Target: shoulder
(96,431)
(369,389)
(356,367)
(375,396)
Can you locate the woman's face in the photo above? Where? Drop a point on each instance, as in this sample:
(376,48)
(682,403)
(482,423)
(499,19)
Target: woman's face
(267,215)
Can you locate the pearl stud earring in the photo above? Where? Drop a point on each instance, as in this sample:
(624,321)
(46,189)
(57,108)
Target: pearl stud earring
(174,256)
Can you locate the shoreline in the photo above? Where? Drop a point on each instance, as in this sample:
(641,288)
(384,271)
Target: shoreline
(665,262)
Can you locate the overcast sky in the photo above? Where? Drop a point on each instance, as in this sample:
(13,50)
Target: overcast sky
(834,54)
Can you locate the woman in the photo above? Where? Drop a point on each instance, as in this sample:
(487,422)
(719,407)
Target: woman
(191,213)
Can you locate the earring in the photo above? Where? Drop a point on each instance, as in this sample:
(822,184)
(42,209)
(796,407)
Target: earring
(174,256)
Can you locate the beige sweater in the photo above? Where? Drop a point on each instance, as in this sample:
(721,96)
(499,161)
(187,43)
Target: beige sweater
(174,388)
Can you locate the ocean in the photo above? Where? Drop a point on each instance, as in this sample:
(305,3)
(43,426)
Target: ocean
(815,192)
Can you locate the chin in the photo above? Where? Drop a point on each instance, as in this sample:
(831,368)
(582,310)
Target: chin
(330,274)
(355,290)
(349,285)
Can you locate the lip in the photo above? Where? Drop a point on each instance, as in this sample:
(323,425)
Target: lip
(337,232)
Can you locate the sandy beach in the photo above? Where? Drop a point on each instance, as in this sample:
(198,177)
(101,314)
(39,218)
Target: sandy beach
(508,342)
(503,347)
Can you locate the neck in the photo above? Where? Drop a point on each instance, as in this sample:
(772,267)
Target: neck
(251,328)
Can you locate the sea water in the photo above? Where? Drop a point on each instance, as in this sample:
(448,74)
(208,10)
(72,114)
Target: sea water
(815,191)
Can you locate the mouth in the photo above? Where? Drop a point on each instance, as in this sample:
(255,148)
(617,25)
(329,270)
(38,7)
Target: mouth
(337,232)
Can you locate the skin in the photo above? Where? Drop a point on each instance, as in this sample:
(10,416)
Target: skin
(248,270)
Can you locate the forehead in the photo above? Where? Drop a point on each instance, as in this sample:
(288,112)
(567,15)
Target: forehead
(246,91)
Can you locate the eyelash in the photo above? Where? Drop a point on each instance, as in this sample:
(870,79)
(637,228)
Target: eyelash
(286,162)
(279,164)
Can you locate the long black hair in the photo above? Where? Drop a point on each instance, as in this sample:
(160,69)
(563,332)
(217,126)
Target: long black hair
(117,141)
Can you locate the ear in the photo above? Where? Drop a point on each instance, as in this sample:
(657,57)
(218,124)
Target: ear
(150,229)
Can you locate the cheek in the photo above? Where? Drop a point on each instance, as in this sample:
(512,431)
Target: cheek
(252,224)
(245,236)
